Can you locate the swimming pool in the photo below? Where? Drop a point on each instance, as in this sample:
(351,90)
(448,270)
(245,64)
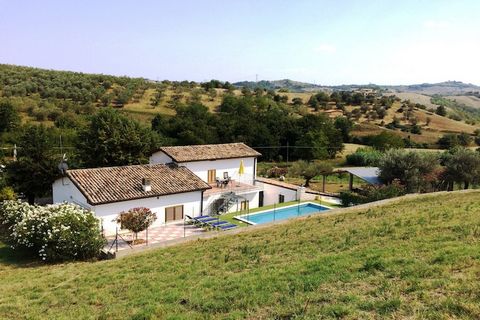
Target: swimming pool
(304,209)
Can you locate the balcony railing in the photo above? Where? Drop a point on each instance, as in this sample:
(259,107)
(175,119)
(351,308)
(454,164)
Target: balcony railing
(232,186)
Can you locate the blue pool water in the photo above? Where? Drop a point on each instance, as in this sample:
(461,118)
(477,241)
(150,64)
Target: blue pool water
(283,213)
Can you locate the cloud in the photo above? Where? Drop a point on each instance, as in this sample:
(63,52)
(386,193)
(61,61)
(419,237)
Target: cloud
(325,48)
(435,24)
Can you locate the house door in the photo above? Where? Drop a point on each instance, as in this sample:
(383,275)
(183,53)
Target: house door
(212,176)
(260,199)
(244,205)
(281,198)
(174,213)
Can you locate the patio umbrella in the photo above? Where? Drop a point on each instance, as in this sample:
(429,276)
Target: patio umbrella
(241,170)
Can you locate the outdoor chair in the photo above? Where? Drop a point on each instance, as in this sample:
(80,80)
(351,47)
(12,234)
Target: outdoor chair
(226,181)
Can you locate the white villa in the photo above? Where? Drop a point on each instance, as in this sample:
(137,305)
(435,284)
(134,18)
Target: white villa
(181,180)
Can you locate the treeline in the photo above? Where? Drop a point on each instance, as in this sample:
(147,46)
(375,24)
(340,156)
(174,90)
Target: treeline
(259,121)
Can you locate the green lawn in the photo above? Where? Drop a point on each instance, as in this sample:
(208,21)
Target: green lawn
(415,259)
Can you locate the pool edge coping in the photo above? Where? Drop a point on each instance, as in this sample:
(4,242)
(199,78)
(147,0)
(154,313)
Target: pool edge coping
(240,217)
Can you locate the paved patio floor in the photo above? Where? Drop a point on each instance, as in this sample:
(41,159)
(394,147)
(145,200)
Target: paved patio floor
(156,235)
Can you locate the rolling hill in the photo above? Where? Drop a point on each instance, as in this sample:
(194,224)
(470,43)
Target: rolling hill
(416,258)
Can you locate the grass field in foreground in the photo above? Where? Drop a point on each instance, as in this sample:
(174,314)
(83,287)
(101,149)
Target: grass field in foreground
(417,258)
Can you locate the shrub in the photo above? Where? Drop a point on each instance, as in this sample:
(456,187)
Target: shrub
(364,157)
(56,232)
(372,193)
(136,219)
(276,172)
(7,193)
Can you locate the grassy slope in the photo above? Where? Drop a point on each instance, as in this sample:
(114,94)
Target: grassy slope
(470,101)
(414,259)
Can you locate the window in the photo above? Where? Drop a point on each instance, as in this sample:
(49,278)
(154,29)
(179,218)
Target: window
(281,198)
(212,176)
(261,198)
(173,213)
(225,175)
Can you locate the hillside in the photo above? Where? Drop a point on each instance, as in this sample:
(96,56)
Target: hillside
(468,100)
(419,258)
(65,99)
(441,88)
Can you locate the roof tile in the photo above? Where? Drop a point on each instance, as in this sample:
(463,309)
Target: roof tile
(113,184)
(209,152)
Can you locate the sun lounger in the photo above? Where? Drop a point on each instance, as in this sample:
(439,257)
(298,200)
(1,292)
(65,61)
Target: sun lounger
(228,226)
(205,220)
(217,223)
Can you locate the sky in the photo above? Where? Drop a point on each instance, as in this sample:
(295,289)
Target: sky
(323,42)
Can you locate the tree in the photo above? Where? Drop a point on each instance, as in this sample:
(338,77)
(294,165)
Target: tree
(448,141)
(386,140)
(309,170)
(344,125)
(136,220)
(477,136)
(9,118)
(112,139)
(461,166)
(36,168)
(297,101)
(412,169)
(441,111)
(464,139)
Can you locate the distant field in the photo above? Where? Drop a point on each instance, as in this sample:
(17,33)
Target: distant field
(414,259)
(470,101)
(415,98)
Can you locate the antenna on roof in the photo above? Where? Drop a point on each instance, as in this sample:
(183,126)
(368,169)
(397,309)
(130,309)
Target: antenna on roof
(63,166)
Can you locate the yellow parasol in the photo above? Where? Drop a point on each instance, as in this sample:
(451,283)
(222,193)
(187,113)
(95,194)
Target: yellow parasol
(241,170)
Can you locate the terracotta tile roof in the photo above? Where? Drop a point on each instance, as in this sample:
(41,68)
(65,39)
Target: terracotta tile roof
(113,184)
(209,152)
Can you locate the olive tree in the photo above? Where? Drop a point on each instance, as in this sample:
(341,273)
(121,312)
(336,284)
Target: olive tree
(412,169)
(461,166)
(309,170)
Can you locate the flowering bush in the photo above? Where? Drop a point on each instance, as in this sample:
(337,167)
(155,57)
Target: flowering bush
(56,232)
(136,219)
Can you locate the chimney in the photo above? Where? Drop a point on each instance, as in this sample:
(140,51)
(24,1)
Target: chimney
(146,184)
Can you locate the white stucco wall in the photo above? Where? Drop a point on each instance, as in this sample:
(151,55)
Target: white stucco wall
(271,193)
(65,191)
(191,202)
(200,168)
